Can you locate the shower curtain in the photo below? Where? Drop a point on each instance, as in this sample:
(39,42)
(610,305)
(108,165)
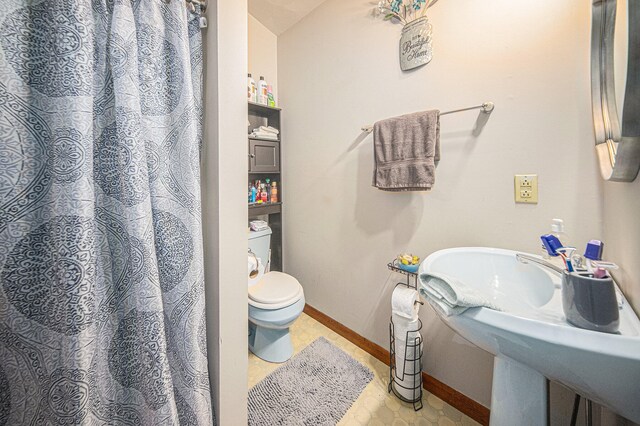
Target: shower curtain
(102,316)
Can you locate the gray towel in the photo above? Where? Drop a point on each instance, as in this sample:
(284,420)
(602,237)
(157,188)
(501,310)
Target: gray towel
(405,151)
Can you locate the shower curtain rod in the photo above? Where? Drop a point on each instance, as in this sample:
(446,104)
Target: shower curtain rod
(486,107)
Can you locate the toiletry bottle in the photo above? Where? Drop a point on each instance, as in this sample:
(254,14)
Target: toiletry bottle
(253,194)
(252,90)
(263,194)
(274,192)
(557,229)
(271,101)
(262,91)
(267,188)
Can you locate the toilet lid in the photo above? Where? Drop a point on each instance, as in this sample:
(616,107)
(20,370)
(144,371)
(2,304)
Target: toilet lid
(275,287)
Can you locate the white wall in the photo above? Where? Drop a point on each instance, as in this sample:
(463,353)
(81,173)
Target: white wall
(224,208)
(338,70)
(263,54)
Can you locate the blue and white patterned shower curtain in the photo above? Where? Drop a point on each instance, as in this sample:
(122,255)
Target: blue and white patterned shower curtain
(101,266)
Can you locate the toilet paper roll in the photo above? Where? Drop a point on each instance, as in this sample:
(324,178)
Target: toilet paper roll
(403,302)
(408,372)
(255,270)
(406,331)
(252,263)
(408,388)
(402,325)
(407,358)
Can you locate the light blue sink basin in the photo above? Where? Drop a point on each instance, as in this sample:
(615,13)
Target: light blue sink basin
(532,340)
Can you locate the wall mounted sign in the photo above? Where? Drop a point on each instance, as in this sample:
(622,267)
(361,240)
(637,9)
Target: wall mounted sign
(415,44)
(416,40)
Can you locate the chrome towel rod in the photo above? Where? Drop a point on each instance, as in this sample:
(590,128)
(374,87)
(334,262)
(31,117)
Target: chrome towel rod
(486,107)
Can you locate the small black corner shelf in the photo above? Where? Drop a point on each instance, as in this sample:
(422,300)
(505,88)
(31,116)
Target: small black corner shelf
(412,277)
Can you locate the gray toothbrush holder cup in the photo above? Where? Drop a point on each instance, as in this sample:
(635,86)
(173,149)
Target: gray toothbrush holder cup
(590,303)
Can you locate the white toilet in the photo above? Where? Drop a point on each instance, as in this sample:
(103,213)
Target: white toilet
(276,300)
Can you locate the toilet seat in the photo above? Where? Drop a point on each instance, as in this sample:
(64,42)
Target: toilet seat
(274,291)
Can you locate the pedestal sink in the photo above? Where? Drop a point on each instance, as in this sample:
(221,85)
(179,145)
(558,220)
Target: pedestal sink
(531,339)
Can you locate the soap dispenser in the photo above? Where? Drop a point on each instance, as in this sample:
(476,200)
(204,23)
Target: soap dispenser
(557,230)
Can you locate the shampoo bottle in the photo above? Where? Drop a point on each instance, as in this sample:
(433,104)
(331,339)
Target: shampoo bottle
(252,90)
(274,192)
(262,91)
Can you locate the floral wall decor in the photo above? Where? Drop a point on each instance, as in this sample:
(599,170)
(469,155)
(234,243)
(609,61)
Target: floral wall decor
(416,39)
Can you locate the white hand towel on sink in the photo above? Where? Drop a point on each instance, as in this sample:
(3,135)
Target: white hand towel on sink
(444,309)
(450,295)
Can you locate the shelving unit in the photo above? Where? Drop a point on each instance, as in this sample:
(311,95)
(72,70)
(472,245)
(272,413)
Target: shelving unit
(264,162)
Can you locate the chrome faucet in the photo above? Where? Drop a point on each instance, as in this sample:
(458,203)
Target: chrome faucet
(525,258)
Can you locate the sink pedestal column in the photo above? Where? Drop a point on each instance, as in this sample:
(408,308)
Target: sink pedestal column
(518,396)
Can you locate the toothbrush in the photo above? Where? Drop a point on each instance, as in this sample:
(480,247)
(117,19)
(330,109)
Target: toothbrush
(567,253)
(593,252)
(604,265)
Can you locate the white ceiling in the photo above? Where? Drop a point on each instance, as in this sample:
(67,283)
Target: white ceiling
(280,15)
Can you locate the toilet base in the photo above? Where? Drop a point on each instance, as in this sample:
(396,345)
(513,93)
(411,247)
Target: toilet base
(269,344)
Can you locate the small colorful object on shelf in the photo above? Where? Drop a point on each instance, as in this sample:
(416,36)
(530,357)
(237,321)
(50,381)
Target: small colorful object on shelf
(408,262)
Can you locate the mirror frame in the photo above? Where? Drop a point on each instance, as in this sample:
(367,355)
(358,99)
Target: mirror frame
(617,145)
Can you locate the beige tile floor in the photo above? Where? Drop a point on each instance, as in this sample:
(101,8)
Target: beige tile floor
(374,406)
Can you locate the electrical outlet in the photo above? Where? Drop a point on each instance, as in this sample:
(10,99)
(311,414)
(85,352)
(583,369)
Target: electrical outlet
(526,189)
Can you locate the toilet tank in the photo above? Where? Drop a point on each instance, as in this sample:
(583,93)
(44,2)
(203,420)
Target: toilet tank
(259,244)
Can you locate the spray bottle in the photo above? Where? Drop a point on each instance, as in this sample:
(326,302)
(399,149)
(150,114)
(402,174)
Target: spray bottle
(271,100)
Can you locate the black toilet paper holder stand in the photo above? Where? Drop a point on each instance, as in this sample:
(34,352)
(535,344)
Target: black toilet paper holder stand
(412,353)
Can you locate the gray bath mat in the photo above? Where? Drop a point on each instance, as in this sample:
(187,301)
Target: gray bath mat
(315,387)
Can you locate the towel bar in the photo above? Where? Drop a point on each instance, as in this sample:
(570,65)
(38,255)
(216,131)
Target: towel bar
(486,107)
